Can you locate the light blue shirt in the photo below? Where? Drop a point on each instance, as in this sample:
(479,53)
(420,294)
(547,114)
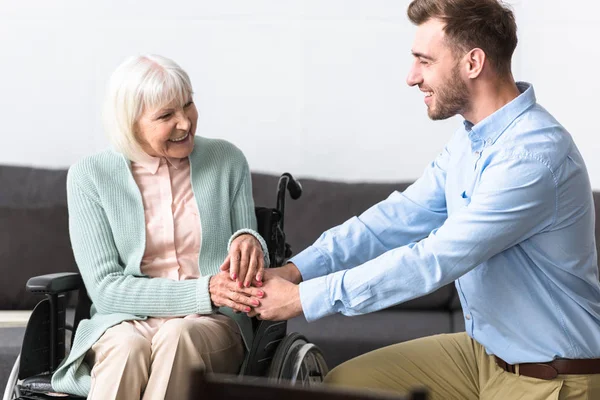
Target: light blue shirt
(506,212)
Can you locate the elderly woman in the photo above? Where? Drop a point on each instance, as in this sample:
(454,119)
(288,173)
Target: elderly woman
(151,223)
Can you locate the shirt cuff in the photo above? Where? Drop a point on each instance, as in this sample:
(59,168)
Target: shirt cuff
(262,242)
(315,299)
(311,263)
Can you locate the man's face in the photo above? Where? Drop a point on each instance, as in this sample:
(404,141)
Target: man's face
(437,72)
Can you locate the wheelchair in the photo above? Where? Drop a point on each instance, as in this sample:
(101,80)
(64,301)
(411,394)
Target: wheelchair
(288,359)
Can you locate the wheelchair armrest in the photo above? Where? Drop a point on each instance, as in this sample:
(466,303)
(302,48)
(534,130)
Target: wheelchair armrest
(55,283)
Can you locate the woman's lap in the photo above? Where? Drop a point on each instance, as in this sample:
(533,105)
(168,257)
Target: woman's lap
(127,352)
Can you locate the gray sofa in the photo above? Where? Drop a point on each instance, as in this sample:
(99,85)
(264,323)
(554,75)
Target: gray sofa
(34,240)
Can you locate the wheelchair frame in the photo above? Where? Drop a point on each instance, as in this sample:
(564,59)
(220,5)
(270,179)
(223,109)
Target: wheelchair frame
(279,357)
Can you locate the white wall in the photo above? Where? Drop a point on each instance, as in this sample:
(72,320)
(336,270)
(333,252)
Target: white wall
(314,87)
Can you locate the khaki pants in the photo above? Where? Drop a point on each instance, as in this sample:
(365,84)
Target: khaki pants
(127,365)
(455,367)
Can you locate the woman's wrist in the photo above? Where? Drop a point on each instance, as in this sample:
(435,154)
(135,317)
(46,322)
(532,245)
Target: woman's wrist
(256,236)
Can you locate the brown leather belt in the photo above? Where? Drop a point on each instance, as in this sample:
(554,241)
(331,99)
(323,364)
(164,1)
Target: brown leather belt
(550,370)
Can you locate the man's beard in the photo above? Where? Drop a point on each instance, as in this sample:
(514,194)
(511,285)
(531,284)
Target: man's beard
(451,98)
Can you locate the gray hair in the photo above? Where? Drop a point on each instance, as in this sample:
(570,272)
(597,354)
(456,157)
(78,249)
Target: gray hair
(140,83)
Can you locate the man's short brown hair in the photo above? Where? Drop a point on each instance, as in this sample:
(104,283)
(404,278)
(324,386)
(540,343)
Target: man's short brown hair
(486,24)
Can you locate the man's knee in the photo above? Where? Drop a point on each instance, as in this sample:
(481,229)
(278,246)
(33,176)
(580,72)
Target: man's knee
(350,373)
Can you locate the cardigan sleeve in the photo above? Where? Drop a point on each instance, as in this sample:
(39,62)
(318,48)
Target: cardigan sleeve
(243,215)
(97,258)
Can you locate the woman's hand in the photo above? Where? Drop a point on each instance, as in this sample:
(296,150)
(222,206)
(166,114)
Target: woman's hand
(226,293)
(245,261)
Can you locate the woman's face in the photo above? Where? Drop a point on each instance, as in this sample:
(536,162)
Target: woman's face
(168,131)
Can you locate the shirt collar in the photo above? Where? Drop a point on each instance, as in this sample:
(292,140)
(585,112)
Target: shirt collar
(151,164)
(487,131)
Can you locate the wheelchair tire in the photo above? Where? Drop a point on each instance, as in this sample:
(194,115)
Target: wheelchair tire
(298,362)
(11,390)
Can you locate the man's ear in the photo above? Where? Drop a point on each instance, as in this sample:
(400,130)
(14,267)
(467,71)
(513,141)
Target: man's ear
(474,61)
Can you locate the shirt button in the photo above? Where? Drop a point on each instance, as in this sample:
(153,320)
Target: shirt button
(468,316)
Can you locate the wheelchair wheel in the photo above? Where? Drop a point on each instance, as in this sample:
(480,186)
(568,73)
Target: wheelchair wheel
(298,362)
(11,390)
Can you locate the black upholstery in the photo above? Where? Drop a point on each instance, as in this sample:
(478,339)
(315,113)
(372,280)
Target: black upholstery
(54,283)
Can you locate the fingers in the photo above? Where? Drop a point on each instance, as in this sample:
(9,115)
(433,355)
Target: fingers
(226,293)
(236,301)
(252,269)
(255,270)
(251,292)
(261,267)
(221,282)
(242,299)
(256,283)
(235,306)
(226,264)
(243,265)
(234,260)
(245,261)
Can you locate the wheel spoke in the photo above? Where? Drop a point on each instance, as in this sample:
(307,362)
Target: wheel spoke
(298,362)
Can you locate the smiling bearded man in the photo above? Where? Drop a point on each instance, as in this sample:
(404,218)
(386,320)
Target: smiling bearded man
(505,211)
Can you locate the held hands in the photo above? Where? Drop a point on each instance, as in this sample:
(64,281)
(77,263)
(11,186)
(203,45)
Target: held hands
(245,261)
(279,295)
(226,293)
(281,299)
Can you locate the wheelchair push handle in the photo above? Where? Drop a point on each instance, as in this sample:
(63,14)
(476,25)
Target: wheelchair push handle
(287,181)
(293,185)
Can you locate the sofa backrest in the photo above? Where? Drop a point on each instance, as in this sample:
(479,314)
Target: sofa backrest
(34,237)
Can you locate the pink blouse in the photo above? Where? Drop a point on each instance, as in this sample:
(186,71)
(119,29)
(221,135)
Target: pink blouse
(173,230)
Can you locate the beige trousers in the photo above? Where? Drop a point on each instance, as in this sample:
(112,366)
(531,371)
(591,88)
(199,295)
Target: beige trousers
(127,365)
(455,367)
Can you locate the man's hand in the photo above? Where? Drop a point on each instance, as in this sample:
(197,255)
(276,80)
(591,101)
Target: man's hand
(289,272)
(225,292)
(245,261)
(281,300)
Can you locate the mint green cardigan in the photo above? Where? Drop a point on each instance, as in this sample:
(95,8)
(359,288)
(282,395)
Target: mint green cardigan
(107,229)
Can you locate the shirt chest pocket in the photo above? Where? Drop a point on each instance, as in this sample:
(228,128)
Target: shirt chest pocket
(465,199)
(459,201)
